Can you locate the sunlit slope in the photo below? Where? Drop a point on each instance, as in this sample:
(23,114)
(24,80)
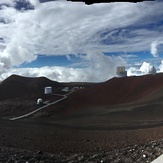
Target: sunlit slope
(129,102)
(119,91)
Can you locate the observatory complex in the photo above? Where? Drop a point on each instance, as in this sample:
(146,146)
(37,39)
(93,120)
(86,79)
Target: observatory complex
(121,72)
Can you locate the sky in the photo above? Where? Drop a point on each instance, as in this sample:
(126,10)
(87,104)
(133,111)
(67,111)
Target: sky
(75,42)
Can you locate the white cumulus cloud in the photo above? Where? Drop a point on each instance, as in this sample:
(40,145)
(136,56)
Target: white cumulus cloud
(63,28)
(34,2)
(7,2)
(96,69)
(144,69)
(154,47)
(161,67)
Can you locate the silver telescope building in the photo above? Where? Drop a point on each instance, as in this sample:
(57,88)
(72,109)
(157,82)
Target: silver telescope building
(121,72)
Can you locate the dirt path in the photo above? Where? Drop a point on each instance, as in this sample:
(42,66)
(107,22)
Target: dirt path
(42,107)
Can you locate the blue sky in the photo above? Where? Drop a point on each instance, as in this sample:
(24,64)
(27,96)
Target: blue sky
(130,58)
(72,41)
(43,60)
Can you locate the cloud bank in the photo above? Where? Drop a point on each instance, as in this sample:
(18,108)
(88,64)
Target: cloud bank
(143,69)
(63,28)
(97,68)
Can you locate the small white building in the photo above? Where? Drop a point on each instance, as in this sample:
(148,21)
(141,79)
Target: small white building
(48,90)
(75,88)
(39,101)
(66,89)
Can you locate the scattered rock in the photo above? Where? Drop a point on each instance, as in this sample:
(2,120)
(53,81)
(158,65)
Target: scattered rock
(142,153)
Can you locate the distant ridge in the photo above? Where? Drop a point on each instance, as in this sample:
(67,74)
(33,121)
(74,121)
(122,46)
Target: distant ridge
(118,91)
(19,86)
(112,92)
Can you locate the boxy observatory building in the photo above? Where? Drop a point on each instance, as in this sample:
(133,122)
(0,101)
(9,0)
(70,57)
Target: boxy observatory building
(47,90)
(121,72)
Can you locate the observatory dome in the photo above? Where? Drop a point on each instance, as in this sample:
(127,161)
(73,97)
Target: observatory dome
(39,101)
(152,70)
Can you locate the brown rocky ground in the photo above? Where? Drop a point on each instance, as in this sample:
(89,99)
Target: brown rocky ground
(136,153)
(68,144)
(108,121)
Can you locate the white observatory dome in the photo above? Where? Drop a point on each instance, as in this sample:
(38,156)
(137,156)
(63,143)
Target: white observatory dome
(39,101)
(147,68)
(152,70)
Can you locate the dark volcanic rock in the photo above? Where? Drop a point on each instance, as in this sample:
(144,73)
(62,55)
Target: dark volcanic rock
(141,154)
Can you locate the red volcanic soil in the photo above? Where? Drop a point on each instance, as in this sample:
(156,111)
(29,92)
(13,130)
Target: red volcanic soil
(84,130)
(114,92)
(118,91)
(110,93)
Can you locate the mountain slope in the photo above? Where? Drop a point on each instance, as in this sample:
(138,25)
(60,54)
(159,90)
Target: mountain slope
(118,91)
(18,86)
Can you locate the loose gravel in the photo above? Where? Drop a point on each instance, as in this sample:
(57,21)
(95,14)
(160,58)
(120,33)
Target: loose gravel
(137,154)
